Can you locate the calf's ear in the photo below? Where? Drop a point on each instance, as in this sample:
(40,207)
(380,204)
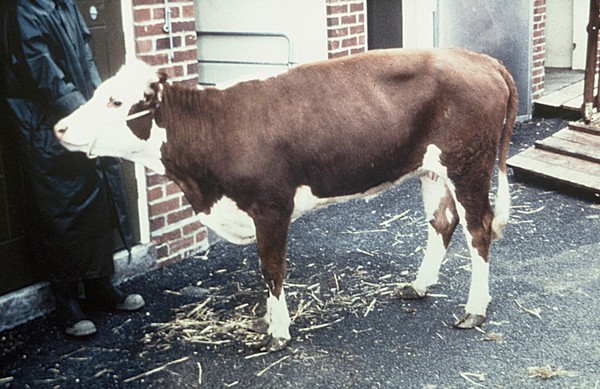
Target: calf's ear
(142,125)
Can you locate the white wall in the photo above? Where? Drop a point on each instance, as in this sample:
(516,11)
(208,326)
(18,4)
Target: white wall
(303,21)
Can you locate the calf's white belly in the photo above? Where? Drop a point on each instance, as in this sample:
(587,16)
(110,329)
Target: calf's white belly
(236,226)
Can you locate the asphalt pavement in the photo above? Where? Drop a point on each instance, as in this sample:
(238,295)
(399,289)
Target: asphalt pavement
(542,331)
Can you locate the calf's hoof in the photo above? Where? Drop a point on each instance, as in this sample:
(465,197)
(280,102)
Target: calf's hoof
(260,326)
(272,344)
(470,321)
(408,292)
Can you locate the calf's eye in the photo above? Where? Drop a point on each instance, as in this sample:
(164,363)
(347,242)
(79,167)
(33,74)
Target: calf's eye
(113,103)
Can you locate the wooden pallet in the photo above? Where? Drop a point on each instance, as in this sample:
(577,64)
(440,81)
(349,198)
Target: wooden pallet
(570,157)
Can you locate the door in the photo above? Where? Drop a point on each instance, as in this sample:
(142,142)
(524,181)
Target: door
(384,24)
(559,34)
(500,28)
(17,269)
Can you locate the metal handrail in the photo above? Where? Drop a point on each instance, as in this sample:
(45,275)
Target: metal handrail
(289,63)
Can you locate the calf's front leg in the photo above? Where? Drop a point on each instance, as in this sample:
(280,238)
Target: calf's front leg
(271,239)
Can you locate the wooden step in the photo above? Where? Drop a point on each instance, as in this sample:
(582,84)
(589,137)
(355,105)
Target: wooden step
(577,144)
(591,128)
(564,169)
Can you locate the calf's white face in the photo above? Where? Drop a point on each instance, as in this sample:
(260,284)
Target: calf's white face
(99,127)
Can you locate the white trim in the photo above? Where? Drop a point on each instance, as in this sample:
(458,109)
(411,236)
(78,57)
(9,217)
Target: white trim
(140,171)
(128,29)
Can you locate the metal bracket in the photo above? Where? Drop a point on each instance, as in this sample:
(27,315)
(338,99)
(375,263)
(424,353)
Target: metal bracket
(168,28)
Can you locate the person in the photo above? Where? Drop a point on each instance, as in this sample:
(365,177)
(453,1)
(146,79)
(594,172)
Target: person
(47,72)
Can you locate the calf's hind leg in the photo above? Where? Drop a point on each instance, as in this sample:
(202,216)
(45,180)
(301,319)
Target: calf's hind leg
(477,218)
(441,214)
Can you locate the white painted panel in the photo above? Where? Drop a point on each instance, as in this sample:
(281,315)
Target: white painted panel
(559,33)
(303,21)
(417,23)
(581,8)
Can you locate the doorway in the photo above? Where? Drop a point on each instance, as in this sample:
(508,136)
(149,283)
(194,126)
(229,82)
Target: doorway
(384,24)
(17,268)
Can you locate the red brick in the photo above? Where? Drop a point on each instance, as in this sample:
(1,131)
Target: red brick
(165,206)
(159,13)
(154,179)
(360,29)
(350,42)
(143,46)
(201,236)
(167,237)
(349,19)
(357,7)
(149,30)
(181,244)
(188,11)
(333,21)
(192,68)
(155,193)
(141,15)
(184,26)
(147,2)
(337,9)
(192,227)
(339,54)
(180,215)
(191,39)
(157,223)
(334,33)
(162,251)
(155,59)
(164,43)
(187,55)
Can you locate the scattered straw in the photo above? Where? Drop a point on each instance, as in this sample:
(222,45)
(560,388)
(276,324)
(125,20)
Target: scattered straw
(469,377)
(533,312)
(199,373)
(228,315)
(547,372)
(393,219)
(277,362)
(155,370)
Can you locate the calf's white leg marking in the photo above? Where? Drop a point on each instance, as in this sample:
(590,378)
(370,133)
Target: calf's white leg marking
(278,317)
(433,193)
(502,205)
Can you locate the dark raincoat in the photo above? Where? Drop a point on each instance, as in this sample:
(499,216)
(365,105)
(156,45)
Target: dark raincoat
(48,72)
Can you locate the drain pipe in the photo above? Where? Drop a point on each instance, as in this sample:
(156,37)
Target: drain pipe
(168,28)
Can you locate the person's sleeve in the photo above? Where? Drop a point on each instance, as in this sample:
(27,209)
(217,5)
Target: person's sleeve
(45,74)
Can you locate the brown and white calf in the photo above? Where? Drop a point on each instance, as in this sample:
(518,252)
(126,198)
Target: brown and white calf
(253,157)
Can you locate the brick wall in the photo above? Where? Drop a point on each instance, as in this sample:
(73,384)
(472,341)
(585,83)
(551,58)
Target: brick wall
(539,48)
(173,226)
(152,43)
(346,27)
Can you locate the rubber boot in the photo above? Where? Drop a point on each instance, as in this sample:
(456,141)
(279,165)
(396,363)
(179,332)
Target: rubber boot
(67,305)
(102,293)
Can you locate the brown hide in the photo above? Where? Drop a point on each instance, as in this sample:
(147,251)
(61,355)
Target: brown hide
(340,127)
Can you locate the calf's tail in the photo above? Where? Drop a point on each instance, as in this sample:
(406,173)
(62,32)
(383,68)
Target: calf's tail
(502,203)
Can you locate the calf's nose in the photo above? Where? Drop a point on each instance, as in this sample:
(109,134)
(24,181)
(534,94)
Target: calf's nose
(60,130)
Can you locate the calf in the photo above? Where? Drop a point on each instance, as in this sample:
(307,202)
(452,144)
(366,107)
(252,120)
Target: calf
(255,156)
